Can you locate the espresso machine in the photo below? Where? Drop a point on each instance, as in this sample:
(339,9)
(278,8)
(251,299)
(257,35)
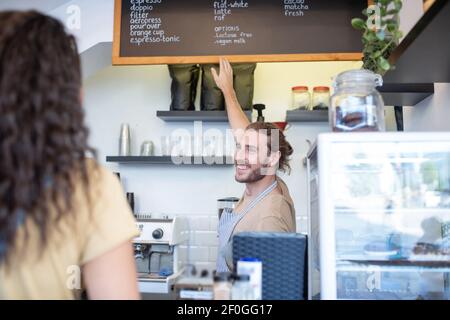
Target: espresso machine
(160,252)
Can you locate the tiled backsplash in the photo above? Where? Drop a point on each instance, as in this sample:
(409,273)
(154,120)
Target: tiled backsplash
(203,242)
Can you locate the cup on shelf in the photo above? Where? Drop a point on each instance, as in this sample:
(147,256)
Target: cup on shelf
(125,140)
(147,149)
(165,146)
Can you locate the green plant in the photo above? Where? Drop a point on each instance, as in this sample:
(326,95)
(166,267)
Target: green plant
(381,34)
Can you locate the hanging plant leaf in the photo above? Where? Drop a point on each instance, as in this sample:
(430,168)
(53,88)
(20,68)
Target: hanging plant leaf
(370,37)
(381,35)
(398,5)
(393,11)
(380,41)
(391,27)
(358,24)
(384,64)
(377,54)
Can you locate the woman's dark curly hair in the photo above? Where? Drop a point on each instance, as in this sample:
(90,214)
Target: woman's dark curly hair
(43,140)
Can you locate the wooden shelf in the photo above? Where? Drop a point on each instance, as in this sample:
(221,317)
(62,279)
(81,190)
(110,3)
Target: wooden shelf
(185,116)
(167,160)
(423,55)
(307,116)
(421,59)
(405,94)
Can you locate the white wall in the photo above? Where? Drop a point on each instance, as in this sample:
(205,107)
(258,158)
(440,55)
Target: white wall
(411,12)
(91,22)
(96,21)
(432,113)
(133,94)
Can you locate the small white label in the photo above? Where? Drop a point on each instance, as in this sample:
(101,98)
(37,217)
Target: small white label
(196,295)
(254,270)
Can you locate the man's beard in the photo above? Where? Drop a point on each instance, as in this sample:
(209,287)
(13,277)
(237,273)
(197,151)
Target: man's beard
(254,176)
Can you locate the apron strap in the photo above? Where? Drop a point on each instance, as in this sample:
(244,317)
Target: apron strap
(261,196)
(228,222)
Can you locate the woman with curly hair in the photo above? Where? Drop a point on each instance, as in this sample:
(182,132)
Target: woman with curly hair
(65,225)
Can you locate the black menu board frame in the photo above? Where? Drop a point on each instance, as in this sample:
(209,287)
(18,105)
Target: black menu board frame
(119,59)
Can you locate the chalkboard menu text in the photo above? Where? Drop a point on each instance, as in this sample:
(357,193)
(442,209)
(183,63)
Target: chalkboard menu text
(199,31)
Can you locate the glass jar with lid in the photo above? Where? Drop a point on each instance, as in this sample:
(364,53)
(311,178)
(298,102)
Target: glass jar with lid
(356,105)
(320,98)
(301,99)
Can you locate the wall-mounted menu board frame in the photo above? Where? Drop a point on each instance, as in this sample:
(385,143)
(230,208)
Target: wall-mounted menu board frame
(324,34)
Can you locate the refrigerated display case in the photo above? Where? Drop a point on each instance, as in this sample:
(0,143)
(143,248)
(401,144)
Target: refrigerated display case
(379,216)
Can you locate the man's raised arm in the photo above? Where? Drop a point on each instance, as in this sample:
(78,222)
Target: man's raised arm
(224,80)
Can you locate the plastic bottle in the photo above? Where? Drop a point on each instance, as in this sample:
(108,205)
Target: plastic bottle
(253,268)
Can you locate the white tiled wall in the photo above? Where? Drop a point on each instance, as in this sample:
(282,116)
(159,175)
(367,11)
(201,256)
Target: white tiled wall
(203,242)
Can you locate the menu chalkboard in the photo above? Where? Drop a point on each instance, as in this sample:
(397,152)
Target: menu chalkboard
(199,31)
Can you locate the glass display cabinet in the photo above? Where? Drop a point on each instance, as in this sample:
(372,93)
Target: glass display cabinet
(379,216)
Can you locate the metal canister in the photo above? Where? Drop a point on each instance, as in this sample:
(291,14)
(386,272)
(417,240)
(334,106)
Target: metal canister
(226,203)
(147,148)
(125,140)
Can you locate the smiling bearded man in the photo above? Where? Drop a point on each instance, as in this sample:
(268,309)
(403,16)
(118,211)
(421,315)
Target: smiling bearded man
(261,150)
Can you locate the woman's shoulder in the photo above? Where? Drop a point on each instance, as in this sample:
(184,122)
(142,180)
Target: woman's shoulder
(101,185)
(97,174)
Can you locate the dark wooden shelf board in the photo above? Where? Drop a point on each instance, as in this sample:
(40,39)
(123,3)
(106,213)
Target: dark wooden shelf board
(307,116)
(405,94)
(181,116)
(167,160)
(423,55)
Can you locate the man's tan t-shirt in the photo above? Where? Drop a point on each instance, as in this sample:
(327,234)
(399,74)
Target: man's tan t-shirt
(274,213)
(89,231)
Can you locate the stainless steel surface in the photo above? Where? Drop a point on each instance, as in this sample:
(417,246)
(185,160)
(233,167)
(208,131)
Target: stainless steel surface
(125,140)
(160,252)
(147,149)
